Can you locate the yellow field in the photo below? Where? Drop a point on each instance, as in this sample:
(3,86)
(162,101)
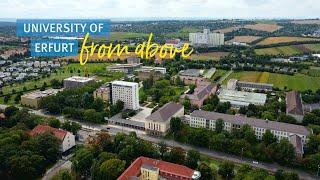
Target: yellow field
(284,39)
(244,39)
(263,27)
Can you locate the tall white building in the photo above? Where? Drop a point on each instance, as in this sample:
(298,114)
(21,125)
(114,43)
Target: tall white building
(206,38)
(128,92)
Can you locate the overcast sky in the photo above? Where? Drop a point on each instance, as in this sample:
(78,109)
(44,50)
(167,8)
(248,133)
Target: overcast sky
(212,9)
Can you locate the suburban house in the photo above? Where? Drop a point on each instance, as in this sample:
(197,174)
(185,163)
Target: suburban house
(67,138)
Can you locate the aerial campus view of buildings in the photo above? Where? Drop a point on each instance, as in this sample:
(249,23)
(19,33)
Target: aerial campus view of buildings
(244,105)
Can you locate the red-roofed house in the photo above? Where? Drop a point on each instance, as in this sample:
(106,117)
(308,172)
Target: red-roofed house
(144,168)
(67,138)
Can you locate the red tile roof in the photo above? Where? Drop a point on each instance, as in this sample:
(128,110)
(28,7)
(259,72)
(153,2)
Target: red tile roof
(2,116)
(39,129)
(164,167)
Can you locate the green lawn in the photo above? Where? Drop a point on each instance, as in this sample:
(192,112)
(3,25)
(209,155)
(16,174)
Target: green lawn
(218,73)
(313,47)
(296,82)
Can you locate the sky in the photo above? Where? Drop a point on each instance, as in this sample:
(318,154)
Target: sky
(208,9)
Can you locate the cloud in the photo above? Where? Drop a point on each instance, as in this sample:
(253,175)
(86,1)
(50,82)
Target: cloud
(159,8)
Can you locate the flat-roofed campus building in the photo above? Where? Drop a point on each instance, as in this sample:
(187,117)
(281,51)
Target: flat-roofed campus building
(158,123)
(133,60)
(233,84)
(144,168)
(33,98)
(294,105)
(202,91)
(188,80)
(127,92)
(240,98)
(191,72)
(77,81)
(126,68)
(103,92)
(206,119)
(206,38)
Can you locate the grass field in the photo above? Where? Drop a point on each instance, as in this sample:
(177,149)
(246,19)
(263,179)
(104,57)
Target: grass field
(313,71)
(289,50)
(284,50)
(67,71)
(284,39)
(296,82)
(218,73)
(210,55)
(126,35)
(183,33)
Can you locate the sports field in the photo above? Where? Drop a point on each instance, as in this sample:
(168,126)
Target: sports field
(296,82)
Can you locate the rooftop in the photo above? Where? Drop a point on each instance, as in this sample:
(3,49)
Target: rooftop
(190,72)
(165,112)
(39,129)
(124,83)
(79,79)
(202,89)
(294,103)
(40,94)
(134,169)
(240,97)
(241,120)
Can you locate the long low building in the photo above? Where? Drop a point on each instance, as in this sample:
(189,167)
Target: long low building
(33,98)
(298,133)
(233,84)
(77,81)
(240,98)
(200,94)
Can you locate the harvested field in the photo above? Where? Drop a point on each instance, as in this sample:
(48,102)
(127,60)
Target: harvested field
(227,30)
(263,27)
(285,39)
(244,39)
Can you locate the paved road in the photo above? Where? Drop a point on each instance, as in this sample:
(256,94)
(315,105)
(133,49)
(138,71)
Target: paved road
(61,164)
(215,154)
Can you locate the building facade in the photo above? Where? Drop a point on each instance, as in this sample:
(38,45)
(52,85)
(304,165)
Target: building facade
(76,81)
(103,92)
(33,99)
(233,84)
(240,98)
(127,92)
(206,38)
(206,119)
(158,123)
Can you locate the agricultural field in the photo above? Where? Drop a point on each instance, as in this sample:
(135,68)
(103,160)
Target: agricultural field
(126,35)
(283,39)
(210,55)
(298,81)
(313,71)
(263,27)
(282,50)
(183,33)
(244,39)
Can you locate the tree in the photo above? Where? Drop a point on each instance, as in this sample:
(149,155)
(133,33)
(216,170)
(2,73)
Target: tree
(53,122)
(268,138)
(226,169)
(6,98)
(177,155)
(284,152)
(48,146)
(73,127)
(26,166)
(176,124)
(90,115)
(11,110)
(63,174)
(112,169)
(55,84)
(192,87)
(206,172)
(82,161)
(290,176)
(163,148)
(192,159)
(219,125)
(98,105)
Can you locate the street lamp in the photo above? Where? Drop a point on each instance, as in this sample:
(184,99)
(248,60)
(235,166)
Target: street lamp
(318,170)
